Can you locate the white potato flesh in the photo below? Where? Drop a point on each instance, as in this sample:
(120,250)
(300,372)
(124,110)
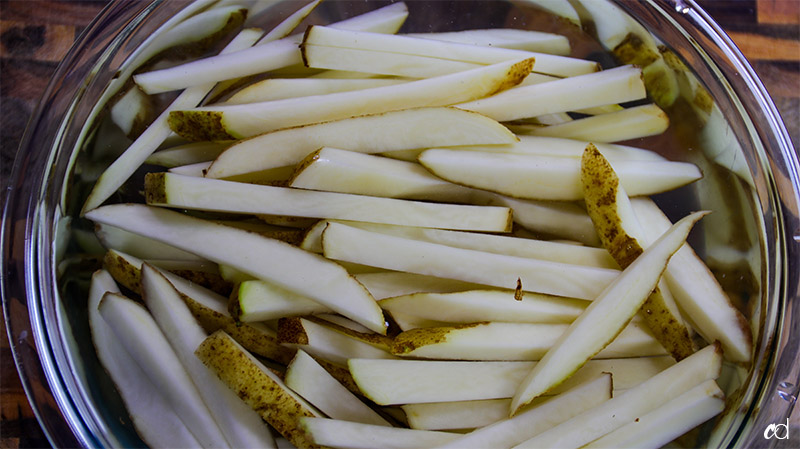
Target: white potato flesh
(554,44)
(263,301)
(247,120)
(147,345)
(328,344)
(617,85)
(614,308)
(633,403)
(140,246)
(365,134)
(395,283)
(155,419)
(186,154)
(310,380)
(282,88)
(545,63)
(298,270)
(549,177)
(189,192)
(262,58)
(347,243)
(352,435)
(426,381)
(627,124)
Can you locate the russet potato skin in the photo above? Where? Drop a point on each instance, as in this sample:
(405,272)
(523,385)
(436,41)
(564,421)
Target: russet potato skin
(604,197)
(254,384)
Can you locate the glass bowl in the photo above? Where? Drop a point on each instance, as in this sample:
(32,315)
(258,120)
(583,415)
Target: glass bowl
(754,247)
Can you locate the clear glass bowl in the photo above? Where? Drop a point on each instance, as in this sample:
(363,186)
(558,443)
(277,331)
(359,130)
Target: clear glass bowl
(46,315)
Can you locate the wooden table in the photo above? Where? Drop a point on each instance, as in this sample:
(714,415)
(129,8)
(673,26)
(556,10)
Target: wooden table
(35,35)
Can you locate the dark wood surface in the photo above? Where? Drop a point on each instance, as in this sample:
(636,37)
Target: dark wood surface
(36,34)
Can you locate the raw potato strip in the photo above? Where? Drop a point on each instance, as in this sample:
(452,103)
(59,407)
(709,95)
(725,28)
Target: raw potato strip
(259,387)
(513,341)
(554,146)
(140,246)
(326,343)
(310,380)
(262,58)
(395,253)
(147,345)
(352,435)
(614,308)
(615,220)
(247,120)
(539,417)
(668,422)
(344,171)
(633,403)
(425,381)
(545,63)
(124,166)
(239,424)
(188,192)
(280,88)
(396,283)
(627,124)
(190,153)
(455,415)
(617,85)
(554,44)
(497,244)
(263,301)
(560,8)
(197,170)
(209,308)
(486,305)
(254,255)
(365,134)
(288,24)
(697,291)
(560,219)
(155,420)
(549,177)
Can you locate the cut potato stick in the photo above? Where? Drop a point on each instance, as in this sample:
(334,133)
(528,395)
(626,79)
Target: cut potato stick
(549,177)
(455,415)
(259,387)
(395,253)
(124,166)
(252,254)
(366,134)
(396,283)
(668,422)
(627,124)
(154,418)
(147,345)
(240,425)
(190,153)
(539,417)
(352,435)
(486,305)
(280,88)
(513,341)
(621,233)
(247,120)
(143,247)
(697,291)
(187,192)
(262,58)
(425,381)
(132,112)
(288,24)
(633,403)
(614,307)
(545,63)
(617,85)
(560,219)
(498,244)
(554,146)
(343,171)
(554,44)
(262,301)
(323,342)
(197,170)
(560,8)
(310,380)
(209,308)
